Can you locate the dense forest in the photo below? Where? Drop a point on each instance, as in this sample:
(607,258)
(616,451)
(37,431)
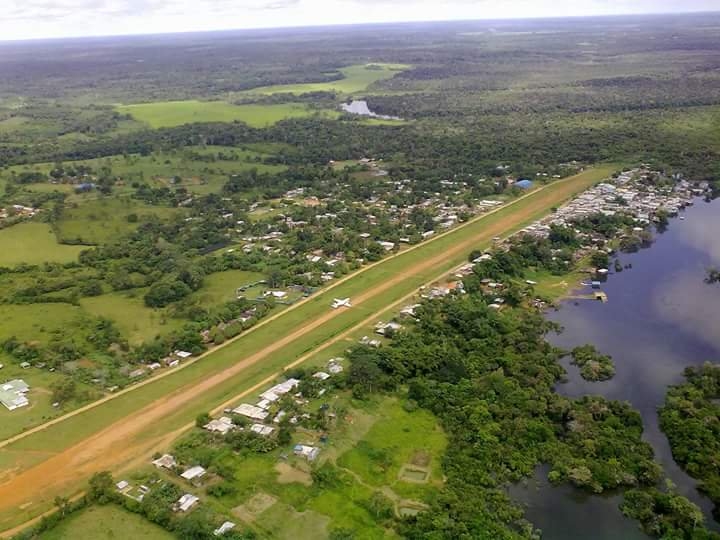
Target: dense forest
(689,418)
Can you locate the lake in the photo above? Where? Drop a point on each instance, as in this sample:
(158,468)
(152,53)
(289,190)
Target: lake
(361,107)
(660,317)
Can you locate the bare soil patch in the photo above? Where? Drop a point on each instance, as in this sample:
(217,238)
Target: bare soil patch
(289,474)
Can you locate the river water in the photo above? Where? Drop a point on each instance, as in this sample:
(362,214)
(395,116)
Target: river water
(361,107)
(660,317)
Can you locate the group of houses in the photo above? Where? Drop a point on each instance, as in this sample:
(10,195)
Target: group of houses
(628,194)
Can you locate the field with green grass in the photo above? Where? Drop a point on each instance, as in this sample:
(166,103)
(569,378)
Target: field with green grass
(177,113)
(33,243)
(356,78)
(104,220)
(398,441)
(136,322)
(38,322)
(221,287)
(106,523)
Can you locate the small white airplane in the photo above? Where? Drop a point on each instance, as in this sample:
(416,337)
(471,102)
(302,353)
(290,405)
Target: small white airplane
(341,302)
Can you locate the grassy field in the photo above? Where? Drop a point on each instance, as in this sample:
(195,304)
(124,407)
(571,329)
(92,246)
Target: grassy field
(136,322)
(105,220)
(177,113)
(356,78)
(221,287)
(402,439)
(106,523)
(478,233)
(33,243)
(38,322)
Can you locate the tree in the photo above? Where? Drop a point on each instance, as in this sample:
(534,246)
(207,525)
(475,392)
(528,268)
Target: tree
(100,487)
(165,292)
(63,390)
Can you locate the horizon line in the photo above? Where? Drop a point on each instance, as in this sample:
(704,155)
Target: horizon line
(358,24)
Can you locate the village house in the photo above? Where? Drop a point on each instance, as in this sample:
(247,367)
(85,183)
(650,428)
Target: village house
(13,394)
(251,411)
(165,462)
(308,452)
(186,502)
(194,473)
(221,425)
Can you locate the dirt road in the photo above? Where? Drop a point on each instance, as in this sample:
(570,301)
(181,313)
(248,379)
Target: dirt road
(120,443)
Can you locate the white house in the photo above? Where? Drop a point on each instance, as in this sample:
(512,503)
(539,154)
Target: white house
(308,452)
(194,472)
(13,394)
(225,527)
(251,411)
(186,502)
(165,462)
(221,425)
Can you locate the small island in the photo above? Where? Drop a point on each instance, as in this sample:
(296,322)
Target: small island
(593,365)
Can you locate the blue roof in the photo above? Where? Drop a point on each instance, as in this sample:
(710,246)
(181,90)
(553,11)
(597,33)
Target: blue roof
(524,183)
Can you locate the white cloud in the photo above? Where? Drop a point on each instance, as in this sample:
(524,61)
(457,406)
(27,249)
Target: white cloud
(55,18)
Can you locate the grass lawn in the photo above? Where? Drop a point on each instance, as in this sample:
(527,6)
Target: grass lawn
(39,322)
(33,243)
(356,78)
(136,321)
(104,220)
(221,287)
(397,438)
(283,522)
(108,522)
(555,287)
(177,113)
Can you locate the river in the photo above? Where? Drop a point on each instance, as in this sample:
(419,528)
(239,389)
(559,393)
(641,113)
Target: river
(660,317)
(361,107)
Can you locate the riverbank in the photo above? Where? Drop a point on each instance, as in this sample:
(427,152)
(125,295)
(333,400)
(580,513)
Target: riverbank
(659,319)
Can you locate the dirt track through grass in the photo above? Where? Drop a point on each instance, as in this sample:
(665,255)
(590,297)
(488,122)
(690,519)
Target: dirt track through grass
(140,433)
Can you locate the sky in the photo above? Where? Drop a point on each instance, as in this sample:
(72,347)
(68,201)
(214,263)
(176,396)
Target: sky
(34,19)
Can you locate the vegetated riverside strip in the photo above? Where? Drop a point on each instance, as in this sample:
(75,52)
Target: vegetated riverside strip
(122,429)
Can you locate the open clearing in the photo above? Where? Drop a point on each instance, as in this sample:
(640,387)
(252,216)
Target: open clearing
(33,243)
(106,523)
(355,79)
(105,220)
(136,322)
(176,113)
(221,287)
(129,427)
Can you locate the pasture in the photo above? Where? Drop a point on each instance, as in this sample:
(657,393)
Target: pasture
(107,522)
(104,220)
(39,322)
(398,439)
(221,287)
(33,243)
(176,113)
(356,78)
(136,322)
